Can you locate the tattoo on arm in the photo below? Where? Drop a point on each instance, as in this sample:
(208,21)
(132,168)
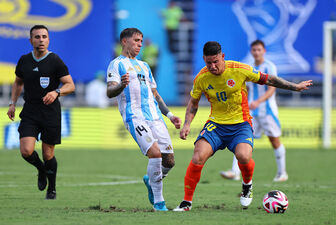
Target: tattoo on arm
(113,89)
(162,105)
(191,112)
(280,83)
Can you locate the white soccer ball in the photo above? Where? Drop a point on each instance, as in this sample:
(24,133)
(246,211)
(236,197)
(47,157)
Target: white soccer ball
(275,202)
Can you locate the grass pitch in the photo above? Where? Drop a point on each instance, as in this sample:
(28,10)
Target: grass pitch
(105,187)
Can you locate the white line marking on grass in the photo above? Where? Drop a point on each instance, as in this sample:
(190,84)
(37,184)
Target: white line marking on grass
(9,173)
(123,180)
(108,176)
(103,183)
(13,185)
(256,184)
(80,185)
(98,175)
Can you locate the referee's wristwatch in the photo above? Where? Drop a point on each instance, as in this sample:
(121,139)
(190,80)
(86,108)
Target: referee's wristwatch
(58,91)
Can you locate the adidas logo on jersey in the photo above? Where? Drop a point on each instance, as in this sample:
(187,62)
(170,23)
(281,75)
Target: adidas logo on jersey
(36,69)
(249,139)
(210,87)
(129,69)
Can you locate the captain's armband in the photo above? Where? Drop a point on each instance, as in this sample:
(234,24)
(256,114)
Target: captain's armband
(263,78)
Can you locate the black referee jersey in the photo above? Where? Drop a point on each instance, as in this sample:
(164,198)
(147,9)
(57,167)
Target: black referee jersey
(40,76)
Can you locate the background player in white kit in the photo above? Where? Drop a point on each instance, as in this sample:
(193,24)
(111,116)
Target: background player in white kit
(141,108)
(264,110)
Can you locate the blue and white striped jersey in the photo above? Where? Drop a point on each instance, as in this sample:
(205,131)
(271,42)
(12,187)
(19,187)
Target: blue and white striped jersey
(268,107)
(137,99)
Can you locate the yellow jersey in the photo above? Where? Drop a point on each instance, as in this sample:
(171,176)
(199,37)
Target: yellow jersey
(227,92)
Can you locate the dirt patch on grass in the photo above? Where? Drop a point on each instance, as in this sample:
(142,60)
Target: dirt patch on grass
(112,208)
(217,207)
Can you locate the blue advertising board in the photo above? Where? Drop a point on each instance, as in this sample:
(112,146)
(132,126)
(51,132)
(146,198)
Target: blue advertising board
(291,29)
(80,33)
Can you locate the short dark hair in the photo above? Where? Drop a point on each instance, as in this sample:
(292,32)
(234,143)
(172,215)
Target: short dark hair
(128,32)
(212,48)
(37,27)
(257,42)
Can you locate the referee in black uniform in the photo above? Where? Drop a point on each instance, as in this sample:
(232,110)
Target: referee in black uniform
(40,73)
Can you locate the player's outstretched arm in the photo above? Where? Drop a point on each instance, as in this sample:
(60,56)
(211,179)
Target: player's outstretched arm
(16,91)
(114,88)
(284,84)
(191,111)
(165,111)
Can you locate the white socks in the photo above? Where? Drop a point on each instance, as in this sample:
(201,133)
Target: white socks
(165,171)
(249,183)
(280,156)
(154,173)
(235,167)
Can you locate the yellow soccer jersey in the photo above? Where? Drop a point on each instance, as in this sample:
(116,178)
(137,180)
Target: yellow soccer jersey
(227,92)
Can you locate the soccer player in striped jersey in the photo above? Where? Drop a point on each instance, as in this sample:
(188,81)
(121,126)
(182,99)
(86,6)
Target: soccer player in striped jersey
(264,110)
(141,108)
(229,124)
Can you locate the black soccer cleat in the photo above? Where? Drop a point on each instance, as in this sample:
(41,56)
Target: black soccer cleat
(51,195)
(184,206)
(246,195)
(41,180)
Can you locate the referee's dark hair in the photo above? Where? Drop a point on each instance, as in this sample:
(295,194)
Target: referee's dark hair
(257,42)
(212,48)
(128,32)
(37,27)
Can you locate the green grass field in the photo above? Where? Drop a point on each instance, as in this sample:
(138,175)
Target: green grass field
(105,187)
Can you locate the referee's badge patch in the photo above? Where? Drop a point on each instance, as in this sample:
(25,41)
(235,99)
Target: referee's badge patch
(44,81)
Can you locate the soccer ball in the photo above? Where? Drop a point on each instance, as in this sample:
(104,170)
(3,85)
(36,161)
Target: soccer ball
(275,202)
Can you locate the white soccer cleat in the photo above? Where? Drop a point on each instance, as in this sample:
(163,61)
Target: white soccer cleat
(246,196)
(184,206)
(230,175)
(281,177)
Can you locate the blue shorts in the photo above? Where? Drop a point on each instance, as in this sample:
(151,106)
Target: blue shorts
(221,136)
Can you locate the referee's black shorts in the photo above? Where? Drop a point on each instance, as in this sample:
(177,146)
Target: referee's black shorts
(39,118)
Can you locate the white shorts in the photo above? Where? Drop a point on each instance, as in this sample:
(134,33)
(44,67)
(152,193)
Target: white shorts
(268,124)
(145,133)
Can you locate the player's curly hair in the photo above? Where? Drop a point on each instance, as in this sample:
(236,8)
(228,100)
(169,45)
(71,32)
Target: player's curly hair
(128,32)
(212,48)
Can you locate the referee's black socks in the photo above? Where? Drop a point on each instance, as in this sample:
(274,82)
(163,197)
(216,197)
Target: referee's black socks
(51,169)
(35,160)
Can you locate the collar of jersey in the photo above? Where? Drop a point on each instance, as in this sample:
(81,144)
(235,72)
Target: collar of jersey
(124,57)
(40,59)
